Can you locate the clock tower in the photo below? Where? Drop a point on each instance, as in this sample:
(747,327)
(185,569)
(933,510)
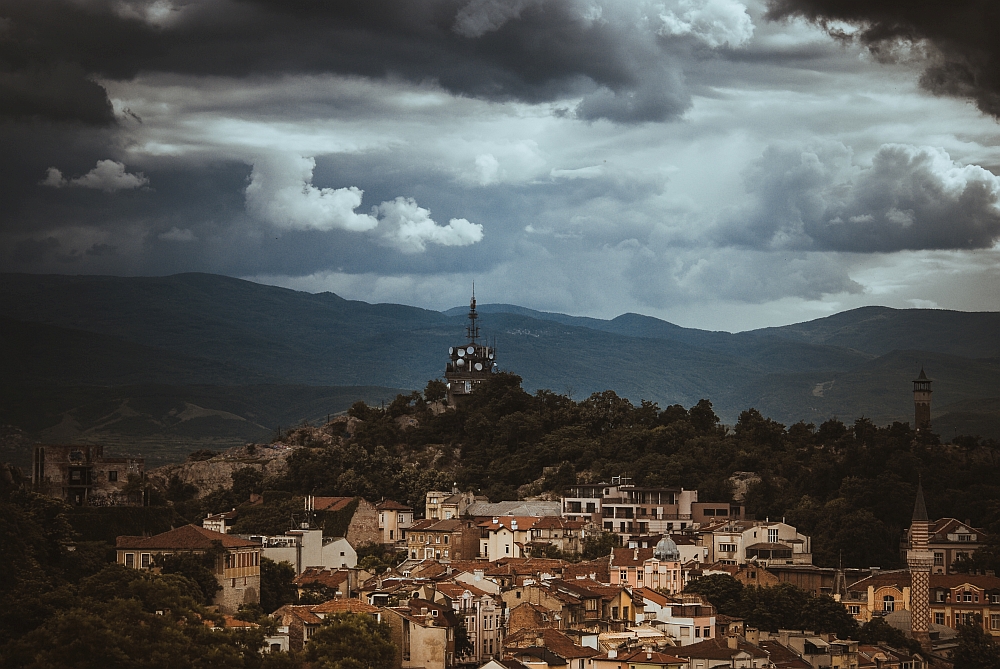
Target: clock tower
(922,402)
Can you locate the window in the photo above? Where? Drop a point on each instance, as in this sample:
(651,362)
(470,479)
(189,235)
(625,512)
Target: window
(144,560)
(506,549)
(854,609)
(623,575)
(707,632)
(390,534)
(940,595)
(112,476)
(697,632)
(938,559)
(129,559)
(968,596)
(939,619)
(446,538)
(995,621)
(727,548)
(889,603)
(995,599)
(772,535)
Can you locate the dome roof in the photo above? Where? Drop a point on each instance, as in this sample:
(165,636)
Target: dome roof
(666,550)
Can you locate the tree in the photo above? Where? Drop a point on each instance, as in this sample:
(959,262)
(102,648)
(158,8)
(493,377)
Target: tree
(351,641)
(197,568)
(435,391)
(877,630)
(247,481)
(599,545)
(276,584)
(976,649)
(721,590)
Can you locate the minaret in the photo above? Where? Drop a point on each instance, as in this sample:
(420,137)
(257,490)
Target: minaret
(922,402)
(920,560)
(471,363)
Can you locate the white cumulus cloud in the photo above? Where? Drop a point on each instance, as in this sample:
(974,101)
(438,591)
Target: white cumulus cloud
(281,193)
(715,22)
(107,175)
(409,227)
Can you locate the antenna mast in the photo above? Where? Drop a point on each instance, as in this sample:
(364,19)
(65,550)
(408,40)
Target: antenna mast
(472,331)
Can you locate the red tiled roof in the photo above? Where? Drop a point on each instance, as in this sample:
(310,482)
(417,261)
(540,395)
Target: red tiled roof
(652,595)
(523,523)
(630,557)
(553,640)
(330,578)
(390,505)
(642,656)
(344,605)
(331,503)
(290,613)
(556,522)
(718,649)
(188,537)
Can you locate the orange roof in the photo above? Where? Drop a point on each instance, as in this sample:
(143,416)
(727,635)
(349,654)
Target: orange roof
(188,537)
(523,522)
(331,503)
(331,578)
(553,640)
(389,505)
(630,557)
(344,605)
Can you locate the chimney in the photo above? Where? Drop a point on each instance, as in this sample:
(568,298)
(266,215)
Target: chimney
(496,520)
(636,556)
(649,655)
(540,641)
(612,654)
(513,524)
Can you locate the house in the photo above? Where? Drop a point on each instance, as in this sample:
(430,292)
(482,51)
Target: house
(638,659)
(763,542)
(884,657)
(393,519)
(658,568)
(565,535)
(356,518)
(505,537)
(307,548)
(451,539)
(686,619)
(782,657)
(949,540)
(81,475)
(220,522)
(547,649)
(336,582)
(482,614)
(531,616)
(625,509)
(440,505)
(727,652)
(820,650)
(568,609)
(235,561)
(423,633)
(297,623)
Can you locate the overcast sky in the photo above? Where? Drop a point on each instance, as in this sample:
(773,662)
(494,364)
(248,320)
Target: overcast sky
(716,163)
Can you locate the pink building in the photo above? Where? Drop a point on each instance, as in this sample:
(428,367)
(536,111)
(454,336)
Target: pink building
(656,568)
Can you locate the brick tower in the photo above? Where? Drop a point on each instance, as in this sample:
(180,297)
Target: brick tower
(920,560)
(922,402)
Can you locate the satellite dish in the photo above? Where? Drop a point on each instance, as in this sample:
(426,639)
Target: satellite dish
(460,362)
(451,349)
(461,352)
(494,365)
(479,366)
(470,350)
(448,386)
(491,355)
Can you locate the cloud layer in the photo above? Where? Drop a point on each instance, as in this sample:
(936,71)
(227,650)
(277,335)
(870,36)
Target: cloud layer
(910,197)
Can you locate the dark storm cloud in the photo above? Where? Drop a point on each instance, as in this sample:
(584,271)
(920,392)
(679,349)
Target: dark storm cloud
(529,51)
(814,198)
(963,33)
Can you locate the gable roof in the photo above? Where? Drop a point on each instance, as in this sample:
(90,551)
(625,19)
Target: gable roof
(188,537)
(344,606)
(718,649)
(630,557)
(391,505)
(331,503)
(552,639)
(330,578)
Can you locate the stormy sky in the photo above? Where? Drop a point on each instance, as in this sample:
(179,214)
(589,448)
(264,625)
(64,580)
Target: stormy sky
(717,163)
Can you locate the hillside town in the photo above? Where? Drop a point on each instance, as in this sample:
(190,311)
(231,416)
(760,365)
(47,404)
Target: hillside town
(603,575)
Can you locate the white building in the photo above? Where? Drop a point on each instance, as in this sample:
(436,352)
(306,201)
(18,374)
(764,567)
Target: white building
(308,548)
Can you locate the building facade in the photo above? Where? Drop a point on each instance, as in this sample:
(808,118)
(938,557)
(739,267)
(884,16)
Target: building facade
(234,561)
(81,475)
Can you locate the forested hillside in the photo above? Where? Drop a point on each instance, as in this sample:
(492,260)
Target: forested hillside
(851,487)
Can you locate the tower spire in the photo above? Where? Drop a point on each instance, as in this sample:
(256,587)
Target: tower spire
(472,331)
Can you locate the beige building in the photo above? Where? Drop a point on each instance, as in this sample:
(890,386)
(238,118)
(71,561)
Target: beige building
(236,566)
(423,633)
(447,505)
(442,540)
(393,521)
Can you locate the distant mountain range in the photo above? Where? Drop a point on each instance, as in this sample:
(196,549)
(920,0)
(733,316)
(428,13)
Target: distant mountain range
(202,340)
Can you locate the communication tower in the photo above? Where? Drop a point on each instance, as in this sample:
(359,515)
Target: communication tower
(471,363)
